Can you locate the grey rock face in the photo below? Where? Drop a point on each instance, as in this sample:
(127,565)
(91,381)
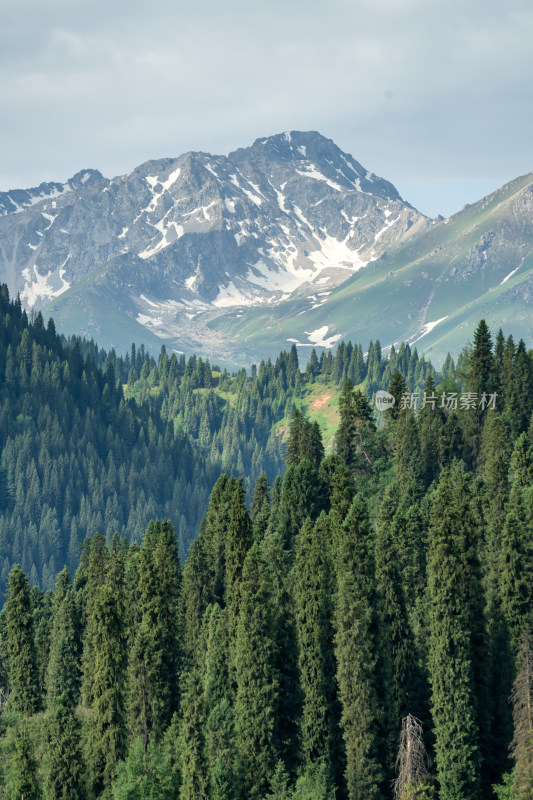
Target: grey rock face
(200,233)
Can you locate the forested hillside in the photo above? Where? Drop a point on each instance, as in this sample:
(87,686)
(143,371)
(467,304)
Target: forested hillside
(361,631)
(241,420)
(91,442)
(77,457)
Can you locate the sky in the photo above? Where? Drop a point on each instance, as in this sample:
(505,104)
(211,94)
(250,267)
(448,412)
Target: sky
(436,97)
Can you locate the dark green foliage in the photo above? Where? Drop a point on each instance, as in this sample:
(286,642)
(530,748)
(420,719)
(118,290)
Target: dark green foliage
(23,674)
(515,566)
(279,785)
(314,784)
(397,388)
(302,631)
(430,424)
(522,461)
(482,377)
(63,674)
(106,744)
(191,741)
(219,718)
(397,646)
(77,457)
(353,440)
(96,572)
(23,781)
(156,656)
(505,789)
(64,776)
(144,775)
(257,681)
(302,496)
(238,541)
(260,508)
(451,668)
(355,622)
(313,617)
(522,697)
(346,431)
(289,695)
(409,464)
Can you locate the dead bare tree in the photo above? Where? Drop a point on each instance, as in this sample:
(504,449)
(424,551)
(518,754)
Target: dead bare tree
(412,762)
(522,699)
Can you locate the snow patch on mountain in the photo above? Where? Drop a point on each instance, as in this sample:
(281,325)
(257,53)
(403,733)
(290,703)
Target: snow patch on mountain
(170,234)
(510,275)
(41,287)
(312,172)
(229,296)
(319,337)
(427,328)
(335,253)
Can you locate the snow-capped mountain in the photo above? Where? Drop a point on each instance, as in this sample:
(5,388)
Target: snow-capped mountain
(177,238)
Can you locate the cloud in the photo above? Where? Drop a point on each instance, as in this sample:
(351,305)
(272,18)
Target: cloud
(415,90)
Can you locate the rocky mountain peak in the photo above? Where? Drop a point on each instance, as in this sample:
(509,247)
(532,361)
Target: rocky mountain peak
(183,237)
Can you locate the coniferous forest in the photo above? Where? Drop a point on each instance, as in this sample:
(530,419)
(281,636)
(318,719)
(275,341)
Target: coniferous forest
(200,607)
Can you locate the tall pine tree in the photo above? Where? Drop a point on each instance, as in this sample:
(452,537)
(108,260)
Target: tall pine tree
(23,673)
(355,645)
(453,700)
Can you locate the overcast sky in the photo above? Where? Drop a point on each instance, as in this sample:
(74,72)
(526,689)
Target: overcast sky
(434,96)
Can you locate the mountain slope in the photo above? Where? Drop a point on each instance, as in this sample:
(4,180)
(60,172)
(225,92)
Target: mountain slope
(76,457)
(200,233)
(432,289)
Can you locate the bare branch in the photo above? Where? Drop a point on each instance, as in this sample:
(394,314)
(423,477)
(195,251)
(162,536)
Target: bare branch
(412,762)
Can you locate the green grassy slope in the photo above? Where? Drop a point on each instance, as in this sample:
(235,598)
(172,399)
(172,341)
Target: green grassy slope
(454,270)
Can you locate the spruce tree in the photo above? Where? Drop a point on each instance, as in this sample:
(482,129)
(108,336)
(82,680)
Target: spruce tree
(339,482)
(260,508)
(195,597)
(144,775)
(397,387)
(522,461)
(481,377)
(96,572)
(191,741)
(289,695)
(279,785)
(396,641)
(345,435)
(430,423)
(154,687)
(408,456)
(106,741)
(23,780)
(63,674)
(64,774)
(515,567)
(257,681)
(219,717)
(293,454)
(453,697)
(238,541)
(522,697)
(312,618)
(302,496)
(213,535)
(355,646)
(25,695)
